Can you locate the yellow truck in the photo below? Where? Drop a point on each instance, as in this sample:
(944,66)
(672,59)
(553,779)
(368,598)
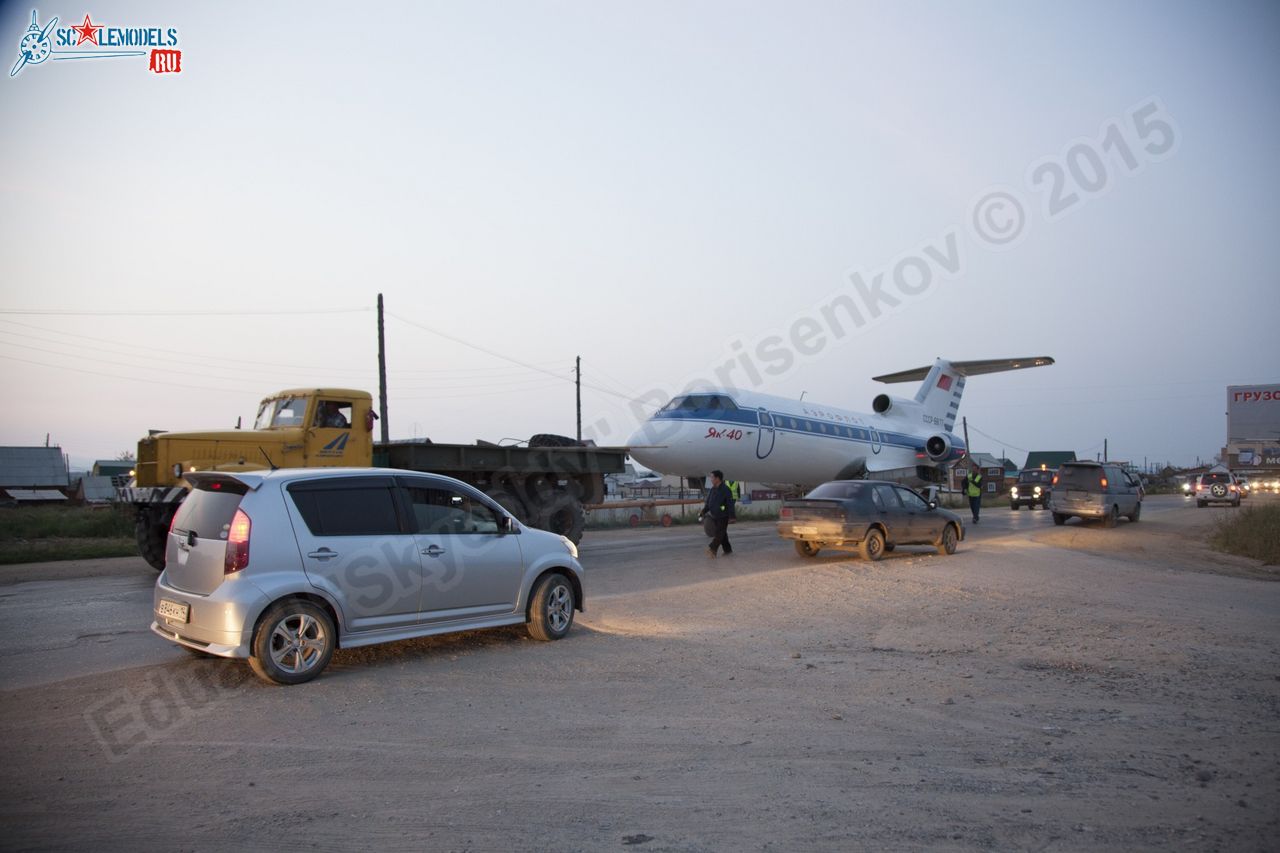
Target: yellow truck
(544,484)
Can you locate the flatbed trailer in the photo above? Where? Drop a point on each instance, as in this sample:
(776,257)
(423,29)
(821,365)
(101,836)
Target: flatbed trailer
(544,484)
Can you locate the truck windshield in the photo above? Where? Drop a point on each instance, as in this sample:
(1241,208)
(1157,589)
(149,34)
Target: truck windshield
(284,412)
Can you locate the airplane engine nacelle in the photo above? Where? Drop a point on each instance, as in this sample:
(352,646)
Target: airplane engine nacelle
(882,404)
(938,447)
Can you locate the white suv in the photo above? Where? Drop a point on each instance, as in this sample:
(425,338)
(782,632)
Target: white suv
(1218,486)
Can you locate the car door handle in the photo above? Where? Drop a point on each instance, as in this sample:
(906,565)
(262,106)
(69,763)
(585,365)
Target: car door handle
(323,554)
(433,551)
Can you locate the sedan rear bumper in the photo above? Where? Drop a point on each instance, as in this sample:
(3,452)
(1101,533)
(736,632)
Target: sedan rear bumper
(820,531)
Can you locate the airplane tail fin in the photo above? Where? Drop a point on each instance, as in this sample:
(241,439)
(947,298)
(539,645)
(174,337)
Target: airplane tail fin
(943,385)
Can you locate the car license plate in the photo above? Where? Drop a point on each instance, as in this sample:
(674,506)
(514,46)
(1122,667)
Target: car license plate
(173,611)
(805,531)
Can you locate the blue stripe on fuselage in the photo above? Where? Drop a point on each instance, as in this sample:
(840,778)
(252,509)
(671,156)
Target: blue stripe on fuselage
(798,425)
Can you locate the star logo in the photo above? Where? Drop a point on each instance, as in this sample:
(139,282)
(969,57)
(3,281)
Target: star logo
(87,32)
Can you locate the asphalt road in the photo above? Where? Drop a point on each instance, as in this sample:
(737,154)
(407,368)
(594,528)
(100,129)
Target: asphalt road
(1047,687)
(70,625)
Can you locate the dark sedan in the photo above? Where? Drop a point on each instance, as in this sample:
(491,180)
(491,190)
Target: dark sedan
(868,516)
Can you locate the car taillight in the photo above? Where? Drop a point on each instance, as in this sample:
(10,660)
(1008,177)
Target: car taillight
(787,512)
(238,543)
(1104,482)
(1055,479)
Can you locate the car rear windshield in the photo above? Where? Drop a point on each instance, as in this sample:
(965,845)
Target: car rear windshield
(1216,477)
(1035,477)
(209,509)
(837,491)
(1080,476)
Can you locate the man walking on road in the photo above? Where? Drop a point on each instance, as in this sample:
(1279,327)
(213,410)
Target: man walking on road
(973,488)
(720,507)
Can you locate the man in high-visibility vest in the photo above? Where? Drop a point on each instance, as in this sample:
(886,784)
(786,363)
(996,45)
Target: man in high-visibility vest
(973,488)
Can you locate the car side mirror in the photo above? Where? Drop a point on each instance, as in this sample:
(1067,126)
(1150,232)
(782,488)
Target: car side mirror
(933,504)
(506,524)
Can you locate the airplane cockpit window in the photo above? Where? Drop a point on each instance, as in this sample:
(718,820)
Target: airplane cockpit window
(700,402)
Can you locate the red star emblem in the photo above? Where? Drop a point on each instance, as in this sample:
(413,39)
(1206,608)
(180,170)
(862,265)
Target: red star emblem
(88,31)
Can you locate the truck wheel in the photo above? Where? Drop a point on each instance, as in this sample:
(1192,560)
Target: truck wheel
(561,513)
(1059,519)
(151,529)
(1137,512)
(510,503)
(546,439)
(1111,517)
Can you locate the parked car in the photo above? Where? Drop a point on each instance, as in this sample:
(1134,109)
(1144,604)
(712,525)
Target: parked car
(868,516)
(283,567)
(1095,490)
(1032,489)
(1217,486)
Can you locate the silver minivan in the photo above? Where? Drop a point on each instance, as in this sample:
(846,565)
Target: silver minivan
(1095,490)
(283,567)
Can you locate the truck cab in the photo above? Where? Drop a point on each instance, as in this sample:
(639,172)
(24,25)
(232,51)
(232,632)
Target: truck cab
(299,428)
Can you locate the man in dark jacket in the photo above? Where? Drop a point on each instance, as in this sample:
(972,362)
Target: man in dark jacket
(719,506)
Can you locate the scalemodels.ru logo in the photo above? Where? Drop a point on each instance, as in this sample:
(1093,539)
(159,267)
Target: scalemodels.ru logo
(89,40)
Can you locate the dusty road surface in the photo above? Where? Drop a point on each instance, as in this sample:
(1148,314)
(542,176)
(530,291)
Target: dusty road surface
(1064,688)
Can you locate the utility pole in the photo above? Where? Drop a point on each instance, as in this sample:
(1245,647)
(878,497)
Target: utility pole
(1105,457)
(382,376)
(577,369)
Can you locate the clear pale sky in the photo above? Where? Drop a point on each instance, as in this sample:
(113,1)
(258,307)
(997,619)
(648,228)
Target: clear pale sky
(641,184)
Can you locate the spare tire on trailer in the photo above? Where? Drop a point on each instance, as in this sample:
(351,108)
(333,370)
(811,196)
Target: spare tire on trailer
(511,504)
(546,439)
(560,512)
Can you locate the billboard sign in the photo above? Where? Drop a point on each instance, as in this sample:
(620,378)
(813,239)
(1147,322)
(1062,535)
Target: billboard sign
(1253,413)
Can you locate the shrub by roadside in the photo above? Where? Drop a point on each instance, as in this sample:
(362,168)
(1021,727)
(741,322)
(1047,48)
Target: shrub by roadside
(40,534)
(1253,531)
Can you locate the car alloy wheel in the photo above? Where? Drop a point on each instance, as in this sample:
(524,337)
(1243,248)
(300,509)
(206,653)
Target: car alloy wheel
(293,642)
(551,607)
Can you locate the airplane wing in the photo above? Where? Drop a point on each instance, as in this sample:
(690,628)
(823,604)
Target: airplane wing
(969,368)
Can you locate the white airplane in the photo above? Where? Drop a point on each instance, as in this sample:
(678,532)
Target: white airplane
(765,439)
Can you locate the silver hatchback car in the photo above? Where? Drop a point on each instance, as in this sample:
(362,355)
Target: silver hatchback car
(283,567)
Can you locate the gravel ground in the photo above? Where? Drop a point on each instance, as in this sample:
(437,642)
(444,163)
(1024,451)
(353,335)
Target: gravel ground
(1065,688)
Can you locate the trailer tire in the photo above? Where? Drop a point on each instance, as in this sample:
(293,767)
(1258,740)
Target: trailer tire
(511,504)
(546,439)
(151,529)
(561,512)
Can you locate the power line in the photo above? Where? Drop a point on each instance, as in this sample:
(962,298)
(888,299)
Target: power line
(502,356)
(67,312)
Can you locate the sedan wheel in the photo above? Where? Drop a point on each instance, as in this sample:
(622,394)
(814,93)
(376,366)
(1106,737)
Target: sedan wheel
(873,546)
(806,549)
(293,643)
(947,545)
(551,606)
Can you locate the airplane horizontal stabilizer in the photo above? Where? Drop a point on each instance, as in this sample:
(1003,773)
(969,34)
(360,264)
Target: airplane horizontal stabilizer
(969,368)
